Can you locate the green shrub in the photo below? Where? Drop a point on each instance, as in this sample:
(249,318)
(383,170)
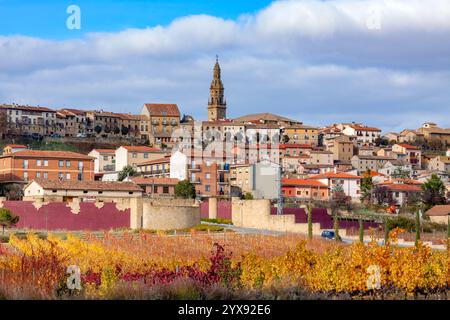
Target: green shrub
(218,221)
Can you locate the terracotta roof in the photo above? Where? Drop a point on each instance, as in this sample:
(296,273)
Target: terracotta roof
(156,181)
(402,187)
(108,151)
(440,210)
(26,108)
(301,183)
(49,154)
(363,128)
(160,109)
(16,146)
(332,175)
(87,185)
(156,161)
(142,149)
(264,117)
(407,146)
(373,174)
(367,157)
(294,145)
(402,181)
(77,112)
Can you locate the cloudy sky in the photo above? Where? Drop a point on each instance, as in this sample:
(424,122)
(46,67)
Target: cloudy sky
(382,62)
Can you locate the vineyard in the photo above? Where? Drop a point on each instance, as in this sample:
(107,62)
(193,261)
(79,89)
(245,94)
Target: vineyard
(217,266)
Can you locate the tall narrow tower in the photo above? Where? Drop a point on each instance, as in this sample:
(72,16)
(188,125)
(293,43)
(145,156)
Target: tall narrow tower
(217,106)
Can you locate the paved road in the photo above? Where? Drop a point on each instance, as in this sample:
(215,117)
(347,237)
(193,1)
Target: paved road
(241,230)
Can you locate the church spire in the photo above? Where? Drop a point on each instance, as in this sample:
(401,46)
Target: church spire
(216,104)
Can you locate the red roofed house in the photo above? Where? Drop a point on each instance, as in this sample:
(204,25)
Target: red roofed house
(157,187)
(26,165)
(413,154)
(11,148)
(304,189)
(403,191)
(349,182)
(134,155)
(364,135)
(163,119)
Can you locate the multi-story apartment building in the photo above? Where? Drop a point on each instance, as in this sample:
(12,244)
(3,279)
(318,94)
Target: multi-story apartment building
(412,154)
(350,183)
(28,120)
(363,163)
(104,160)
(26,165)
(320,157)
(342,148)
(135,155)
(439,164)
(241,176)
(72,122)
(364,135)
(162,120)
(156,187)
(104,124)
(302,134)
(432,132)
(159,168)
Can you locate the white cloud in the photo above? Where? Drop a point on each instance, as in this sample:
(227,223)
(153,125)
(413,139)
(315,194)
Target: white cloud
(317,60)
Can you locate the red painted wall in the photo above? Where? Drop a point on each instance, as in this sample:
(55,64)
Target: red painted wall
(58,216)
(223,209)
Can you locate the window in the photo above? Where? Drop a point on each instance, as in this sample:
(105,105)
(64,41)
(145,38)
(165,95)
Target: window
(166,190)
(60,175)
(54,191)
(208,176)
(38,163)
(85,191)
(155,189)
(61,163)
(105,158)
(80,165)
(38,175)
(25,164)
(207,188)
(100,192)
(80,177)
(134,155)
(68,176)
(25,176)
(45,175)
(68,163)
(45,163)
(146,155)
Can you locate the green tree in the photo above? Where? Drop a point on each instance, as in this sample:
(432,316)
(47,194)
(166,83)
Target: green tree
(310,226)
(399,173)
(248,196)
(127,171)
(7,219)
(417,227)
(361,230)
(366,187)
(98,129)
(185,189)
(433,192)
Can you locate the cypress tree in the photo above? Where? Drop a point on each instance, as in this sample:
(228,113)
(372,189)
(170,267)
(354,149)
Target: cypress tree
(361,230)
(310,227)
(417,228)
(386,231)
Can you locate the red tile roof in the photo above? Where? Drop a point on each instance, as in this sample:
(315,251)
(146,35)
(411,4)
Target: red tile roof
(156,181)
(439,210)
(408,146)
(16,146)
(362,128)
(108,151)
(402,187)
(156,161)
(332,175)
(49,154)
(301,183)
(160,109)
(294,145)
(142,149)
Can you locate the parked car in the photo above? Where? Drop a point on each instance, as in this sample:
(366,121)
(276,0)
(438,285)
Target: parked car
(56,135)
(327,234)
(81,135)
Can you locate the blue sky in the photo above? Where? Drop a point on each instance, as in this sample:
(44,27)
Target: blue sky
(47,18)
(382,63)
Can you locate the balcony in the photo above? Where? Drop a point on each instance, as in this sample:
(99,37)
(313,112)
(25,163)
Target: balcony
(223,167)
(194,167)
(196,181)
(223,181)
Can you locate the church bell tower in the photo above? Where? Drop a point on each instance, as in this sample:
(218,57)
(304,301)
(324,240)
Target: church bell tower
(217,106)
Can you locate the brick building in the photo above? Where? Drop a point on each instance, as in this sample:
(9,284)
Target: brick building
(26,165)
